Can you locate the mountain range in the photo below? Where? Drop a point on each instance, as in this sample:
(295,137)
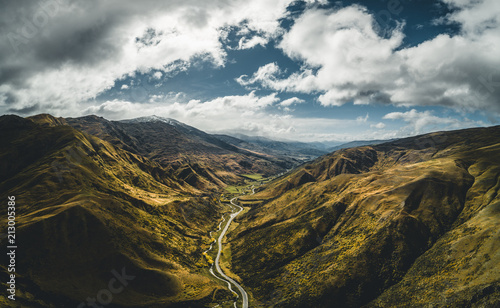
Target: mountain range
(86,208)
(409,223)
(405,223)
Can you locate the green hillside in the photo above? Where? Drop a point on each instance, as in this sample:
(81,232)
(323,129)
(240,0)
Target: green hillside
(405,223)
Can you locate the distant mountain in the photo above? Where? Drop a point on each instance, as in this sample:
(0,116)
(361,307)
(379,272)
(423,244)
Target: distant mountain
(155,118)
(303,151)
(408,223)
(183,128)
(360,143)
(324,145)
(298,150)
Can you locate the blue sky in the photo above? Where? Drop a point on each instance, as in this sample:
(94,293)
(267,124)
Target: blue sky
(304,70)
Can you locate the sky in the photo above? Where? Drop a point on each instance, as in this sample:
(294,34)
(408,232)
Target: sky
(312,70)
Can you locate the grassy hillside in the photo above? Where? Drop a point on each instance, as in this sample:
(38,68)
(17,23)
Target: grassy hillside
(407,223)
(86,208)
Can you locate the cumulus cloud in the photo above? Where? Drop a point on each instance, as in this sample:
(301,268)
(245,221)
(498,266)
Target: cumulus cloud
(346,59)
(266,75)
(157,75)
(58,53)
(237,107)
(426,121)
(342,54)
(246,43)
(292,101)
(379,125)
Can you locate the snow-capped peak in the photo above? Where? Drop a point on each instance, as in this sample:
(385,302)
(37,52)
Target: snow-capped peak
(154,118)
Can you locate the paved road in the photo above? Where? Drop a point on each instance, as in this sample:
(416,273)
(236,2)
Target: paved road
(228,279)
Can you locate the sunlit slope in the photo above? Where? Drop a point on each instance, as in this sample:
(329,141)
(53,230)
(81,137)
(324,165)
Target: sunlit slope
(86,208)
(419,214)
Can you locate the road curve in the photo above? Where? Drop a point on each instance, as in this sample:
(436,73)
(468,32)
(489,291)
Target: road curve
(217,259)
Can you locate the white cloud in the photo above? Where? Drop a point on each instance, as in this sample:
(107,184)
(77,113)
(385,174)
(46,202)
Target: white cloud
(157,75)
(419,120)
(379,125)
(235,107)
(363,119)
(265,75)
(343,46)
(114,109)
(93,45)
(245,43)
(475,16)
(346,60)
(322,2)
(423,122)
(291,101)
(124,87)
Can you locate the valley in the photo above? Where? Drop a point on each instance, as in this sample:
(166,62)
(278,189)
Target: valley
(250,154)
(241,292)
(204,220)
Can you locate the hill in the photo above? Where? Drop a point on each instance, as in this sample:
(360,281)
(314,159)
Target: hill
(409,223)
(358,143)
(87,211)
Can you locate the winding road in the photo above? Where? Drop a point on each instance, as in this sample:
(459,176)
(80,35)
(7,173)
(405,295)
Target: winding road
(226,278)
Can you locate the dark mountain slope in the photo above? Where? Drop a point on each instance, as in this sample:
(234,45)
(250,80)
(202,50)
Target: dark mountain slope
(405,223)
(86,208)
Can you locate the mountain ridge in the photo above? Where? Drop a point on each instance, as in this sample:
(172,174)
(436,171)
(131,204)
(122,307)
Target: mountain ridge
(180,147)
(365,226)
(86,208)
